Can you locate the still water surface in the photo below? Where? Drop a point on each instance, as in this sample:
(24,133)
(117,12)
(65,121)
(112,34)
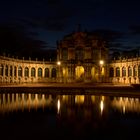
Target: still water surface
(43,116)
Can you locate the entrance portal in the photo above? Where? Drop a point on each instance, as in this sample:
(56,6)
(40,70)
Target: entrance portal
(79,73)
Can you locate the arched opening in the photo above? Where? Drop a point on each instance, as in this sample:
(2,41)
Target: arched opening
(11,70)
(135,71)
(117,72)
(94,74)
(65,74)
(26,72)
(15,71)
(6,70)
(123,72)
(1,70)
(111,72)
(129,71)
(20,71)
(139,71)
(32,72)
(79,73)
(53,73)
(47,72)
(93,71)
(39,72)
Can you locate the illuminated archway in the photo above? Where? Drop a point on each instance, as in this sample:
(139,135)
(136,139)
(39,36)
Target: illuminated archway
(94,74)
(79,72)
(64,74)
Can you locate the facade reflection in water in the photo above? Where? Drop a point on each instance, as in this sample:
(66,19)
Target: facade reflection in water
(68,103)
(68,116)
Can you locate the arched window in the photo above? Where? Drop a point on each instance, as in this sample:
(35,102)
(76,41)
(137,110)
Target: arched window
(26,72)
(32,72)
(15,71)
(123,71)
(20,71)
(11,70)
(64,54)
(1,70)
(39,72)
(53,75)
(139,70)
(46,72)
(117,72)
(135,71)
(6,70)
(79,54)
(129,71)
(111,72)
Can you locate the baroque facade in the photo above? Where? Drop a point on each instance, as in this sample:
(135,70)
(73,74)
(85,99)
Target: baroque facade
(80,54)
(81,57)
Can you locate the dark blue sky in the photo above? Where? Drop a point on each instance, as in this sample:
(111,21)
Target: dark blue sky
(50,20)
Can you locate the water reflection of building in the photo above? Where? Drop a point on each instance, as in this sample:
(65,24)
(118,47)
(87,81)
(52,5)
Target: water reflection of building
(15,101)
(11,102)
(68,104)
(125,104)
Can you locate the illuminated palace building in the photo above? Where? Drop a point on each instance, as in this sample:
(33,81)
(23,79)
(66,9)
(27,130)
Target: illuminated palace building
(81,57)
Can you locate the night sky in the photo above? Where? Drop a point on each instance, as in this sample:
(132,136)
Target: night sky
(40,23)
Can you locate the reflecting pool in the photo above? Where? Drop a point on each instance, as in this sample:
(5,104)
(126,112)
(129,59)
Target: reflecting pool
(43,116)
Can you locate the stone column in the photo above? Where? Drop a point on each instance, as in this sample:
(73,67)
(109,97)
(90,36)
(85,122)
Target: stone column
(23,69)
(3,73)
(114,79)
(23,77)
(8,73)
(137,70)
(43,72)
(87,70)
(121,72)
(13,73)
(126,71)
(121,78)
(36,73)
(114,71)
(50,72)
(70,72)
(17,74)
(29,74)
(17,71)
(132,71)
(127,78)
